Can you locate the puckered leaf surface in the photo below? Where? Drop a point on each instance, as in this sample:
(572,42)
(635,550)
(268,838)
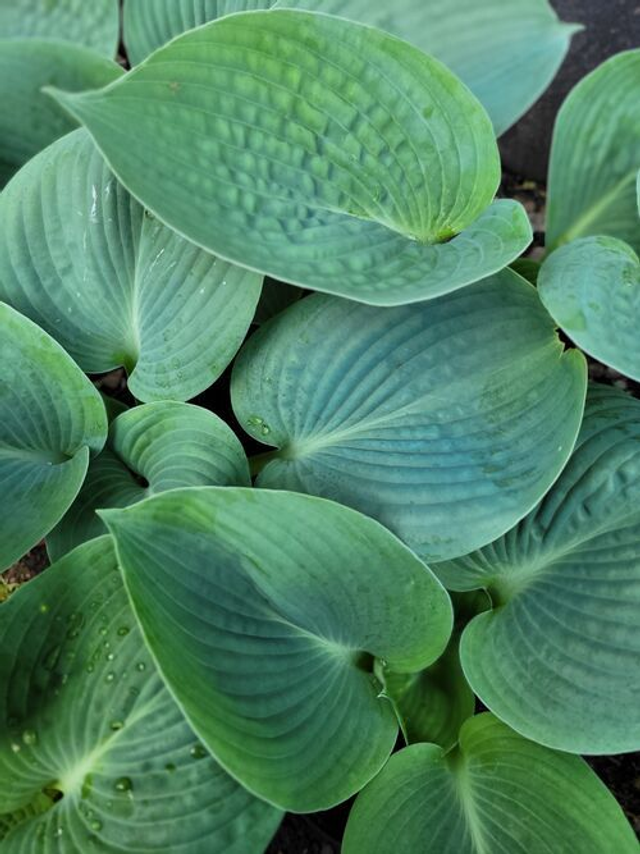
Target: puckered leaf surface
(323,152)
(84,714)
(557,656)
(112,284)
(51,420)
(150,449)
(446,421)
(497,794)
(92,23)
(506,53)
(264,611)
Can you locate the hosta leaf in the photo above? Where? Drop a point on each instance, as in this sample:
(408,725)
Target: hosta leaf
(557,657)
(447,421)
(151,449)
(433,703)
(596,157)
(264,611)
(95,24)
(497,794)
(323,152)
(592,289)
(506,54)
(113,285)
(51,419)
(30,120)
(84,713)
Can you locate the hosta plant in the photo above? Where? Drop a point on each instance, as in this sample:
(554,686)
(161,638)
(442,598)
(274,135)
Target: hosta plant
(378,541)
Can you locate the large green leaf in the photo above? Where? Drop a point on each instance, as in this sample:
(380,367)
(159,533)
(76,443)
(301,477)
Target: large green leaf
(84,714)
(323,152)
(51,419)
(113,285)
(592,289)
(264,611)
(151,449)
(506,53)
(497,794)
(557,657)
(447,421)
(29,120)
(92,23)
(596,157)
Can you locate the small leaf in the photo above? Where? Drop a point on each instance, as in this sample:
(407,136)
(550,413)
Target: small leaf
(591,287)
(84,715)
(557,657)
(506,53)
(595,157)
(446,421)
(265,612)
(150,449)
(51,419)
(113,285)
(322,152)
(30,120)
(94,24)
(497,794)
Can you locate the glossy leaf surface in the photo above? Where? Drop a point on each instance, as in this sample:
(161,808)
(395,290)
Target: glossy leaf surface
(498,794)
(51,420)
(85,714)
(112,284)
(556,658)
(150,449)
(264,611)
(322,152)
(446,421)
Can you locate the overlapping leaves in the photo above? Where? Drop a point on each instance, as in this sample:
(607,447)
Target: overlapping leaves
(325,153)
(265,611)
(94,752)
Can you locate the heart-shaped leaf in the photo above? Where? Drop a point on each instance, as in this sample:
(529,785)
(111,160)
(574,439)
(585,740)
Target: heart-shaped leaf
(595,157)
(30,120)
(591,287)
(150,449)
(94,752)
(446,421)
(114,286)
(264,611)
(557,657)
(506,53)
(323,152)
(94,24)
(496,794)
(51,419)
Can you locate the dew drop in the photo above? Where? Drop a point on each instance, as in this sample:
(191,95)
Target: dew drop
(170,767)
(141,666)
(30,737)
(96,825)
(110,676)
(123,784)
(44,608)
(123,630)
(116,725)
(110,656)
(198,752)
(15,747)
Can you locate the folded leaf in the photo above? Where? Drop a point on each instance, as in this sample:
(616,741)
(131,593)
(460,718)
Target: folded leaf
(112,284)
(497,794)
(30,120)
(84,715)
(595,157)
(264,612)
(446,421)
(557,657)
(506,54)
(51,419)
(323,152)
(94,24)
(591,287)
(150,449)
